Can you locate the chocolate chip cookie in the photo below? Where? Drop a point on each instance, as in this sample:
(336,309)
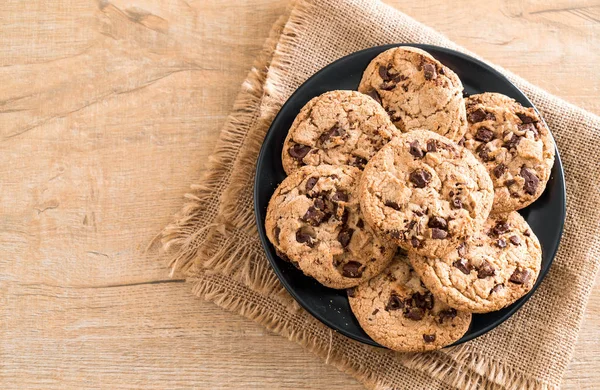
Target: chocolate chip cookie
(417,91)
(314,219)
(425,192)
(337,128)
(515,146)
(491,270)
(398,312)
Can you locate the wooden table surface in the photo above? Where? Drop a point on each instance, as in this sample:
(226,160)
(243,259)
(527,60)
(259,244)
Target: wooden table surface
(108,111)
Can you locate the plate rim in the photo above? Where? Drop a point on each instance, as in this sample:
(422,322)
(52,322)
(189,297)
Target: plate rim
(516,306)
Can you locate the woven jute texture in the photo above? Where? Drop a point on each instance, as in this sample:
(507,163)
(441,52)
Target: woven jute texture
(214,239)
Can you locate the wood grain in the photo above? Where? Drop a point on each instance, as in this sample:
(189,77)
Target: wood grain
(108,111)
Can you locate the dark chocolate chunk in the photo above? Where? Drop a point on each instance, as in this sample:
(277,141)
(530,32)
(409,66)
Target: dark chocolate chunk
(501,243)
(415,242)
(520,276)
(484,153)
(311,182)
(496,288)
(531,181)
(351,292)
(429,338)
(438,234)
(461,142)
(299,151)
(392,204)
(499,170)
(388,85)
(395,233)
(394,303)
(525,118)
(515,240)
(449,314)
(485,269)
(423,301)
(340,196)
(414,313)
(306,236)
(352,269)
(501,227)
(432,145)
(360,224)
(344,236)
(512,142)
(527,233)
(480,115)
(415,149)
(335,131)
(429,71)
(314,216)
(375,312)
(358,162)
(484,134)
(383,72)
(463,266)
(438,222)
(420,178)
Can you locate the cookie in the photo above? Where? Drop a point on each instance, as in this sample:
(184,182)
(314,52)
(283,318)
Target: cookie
(417,91)
(398,312)
(425,192)
(490,271)
(337,128)
(314,219)
(515,146)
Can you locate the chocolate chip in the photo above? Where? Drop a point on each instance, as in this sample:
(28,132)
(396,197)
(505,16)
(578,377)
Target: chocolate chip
(314,216)
(276,232)
(480,115)
(462,141)
(438,233)
(415,149)
(527,233)
(531,181)
(515,240)
(485,269)
(360,224)
(520,276)
(373,94)
(463,266)
(352,269)
(484,153)
(414,313)
(484,134)
(525,118)
(340,196)
(344,236)
(496,288)
(335,131)
(299,151)
(499,170)
(432,145)
(501,243)
(310,183)
(457,203)
(429,71)
(438,222)
(423,301)
(375,312)
(394,303)
(392,204)
(384,74)
(429,338)
(512,142)
(351,292)
(415,242)
(462,249)
(358,162)
(388,85)
(320,204)
(420,178)
(528,127)
(501,227)
(449,314)
(509,182)
(395,233)
(306,235)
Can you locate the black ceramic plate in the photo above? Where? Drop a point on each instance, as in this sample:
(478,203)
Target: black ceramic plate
(546,216)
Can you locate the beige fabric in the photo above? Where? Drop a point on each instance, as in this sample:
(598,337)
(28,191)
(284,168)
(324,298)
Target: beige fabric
(214,239)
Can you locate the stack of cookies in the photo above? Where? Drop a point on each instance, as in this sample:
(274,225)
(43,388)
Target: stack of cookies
(405,194)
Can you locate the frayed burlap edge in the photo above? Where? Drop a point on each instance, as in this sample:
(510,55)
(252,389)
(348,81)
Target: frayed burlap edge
(212,246)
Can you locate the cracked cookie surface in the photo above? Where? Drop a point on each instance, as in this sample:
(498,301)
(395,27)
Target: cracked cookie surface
(425,192)
(398,312)
(314,220)
(417,91)
(515,146)
(337,128)
(490,271)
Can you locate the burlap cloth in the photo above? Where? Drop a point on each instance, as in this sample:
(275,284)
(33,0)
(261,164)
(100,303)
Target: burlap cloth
(214,238)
